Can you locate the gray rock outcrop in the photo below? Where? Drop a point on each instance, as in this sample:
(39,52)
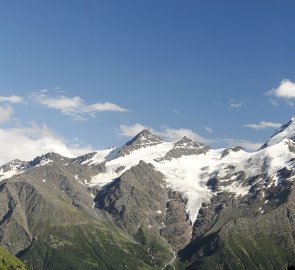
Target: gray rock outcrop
(185,147)
(137,196)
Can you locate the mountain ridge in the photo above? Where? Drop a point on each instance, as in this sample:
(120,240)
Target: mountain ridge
(153,196)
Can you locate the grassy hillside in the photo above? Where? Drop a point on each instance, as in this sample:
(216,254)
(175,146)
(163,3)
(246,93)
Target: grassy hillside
(92,246)
(10,262)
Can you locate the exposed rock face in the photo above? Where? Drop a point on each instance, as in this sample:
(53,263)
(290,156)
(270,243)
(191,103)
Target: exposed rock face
(84,158)
(142,140)
(49,157)
(11,168)
(291,145)
(18,164)
(254,231)
(47,194)
(220,182)
(231,149)
(186,147)
(177,228)
(13,226)
(67,165)
(210,214)
(138,196)
(47,217)
(120,169)
(263,241)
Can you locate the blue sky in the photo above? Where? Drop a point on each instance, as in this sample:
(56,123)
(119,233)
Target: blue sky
(90,74)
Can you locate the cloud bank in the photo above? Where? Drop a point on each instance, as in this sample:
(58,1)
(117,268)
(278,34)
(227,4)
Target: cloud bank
(11,99)
(263,125)
(26,143)
(208,129)
(74,106)
(286,89)
(6,112)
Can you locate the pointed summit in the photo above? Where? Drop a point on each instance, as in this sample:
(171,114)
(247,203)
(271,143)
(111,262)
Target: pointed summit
(286,131)
(184,141)
(47,158)
(145,132)
(143,139)
(186,147)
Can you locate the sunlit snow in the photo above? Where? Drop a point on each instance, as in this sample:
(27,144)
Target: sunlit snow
(189,174)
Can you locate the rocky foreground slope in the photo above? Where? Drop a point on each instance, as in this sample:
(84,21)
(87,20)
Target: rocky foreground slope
(152,204)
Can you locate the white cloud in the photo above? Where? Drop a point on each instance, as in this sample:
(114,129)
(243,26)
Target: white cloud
(26,143)
(236,105)
(274,102)
(59,103)
(247,145)
(263,125)
(166,133)
(286,89)
(74,106)
(103,107)
(209,130)
(11,99)
(6,112)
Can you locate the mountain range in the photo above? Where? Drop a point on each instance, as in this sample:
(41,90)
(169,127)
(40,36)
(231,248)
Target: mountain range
(152,204)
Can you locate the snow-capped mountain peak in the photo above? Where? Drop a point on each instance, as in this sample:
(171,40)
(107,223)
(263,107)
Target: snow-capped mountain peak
(286,131)
(142,140)
(186,147)
(186,142)
(46,158)
(16,166)
(189,167)
(11,168)
(145,137)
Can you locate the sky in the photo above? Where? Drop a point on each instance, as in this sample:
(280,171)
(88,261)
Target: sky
(78,76)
